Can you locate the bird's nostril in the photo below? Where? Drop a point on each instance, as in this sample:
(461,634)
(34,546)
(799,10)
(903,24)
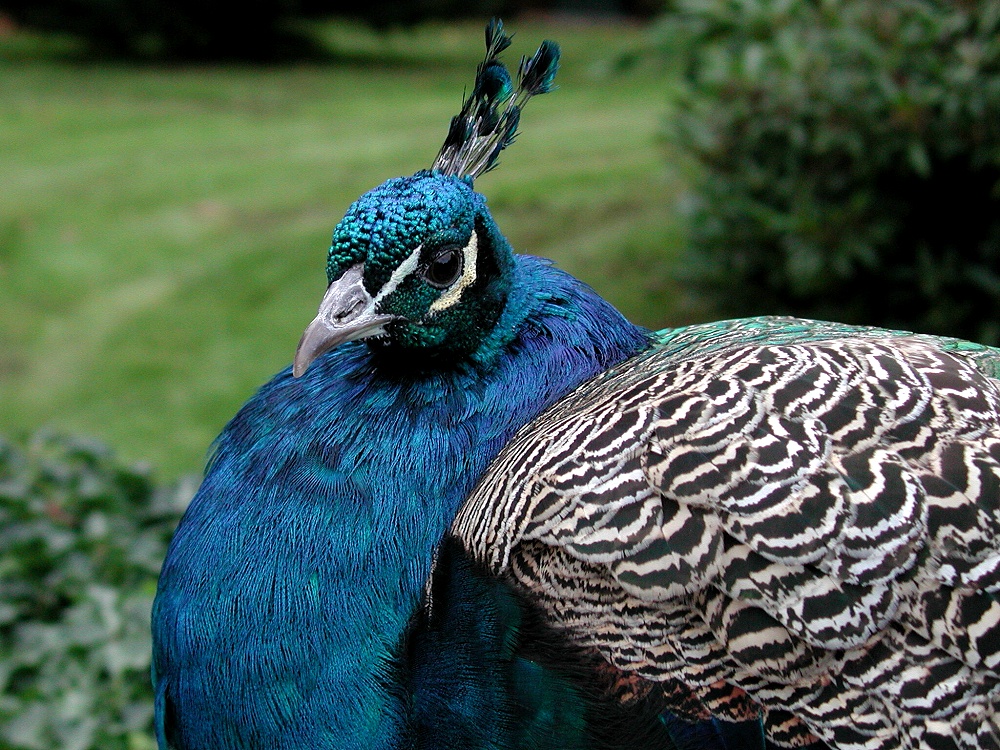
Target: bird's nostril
(343,311)
(351,309)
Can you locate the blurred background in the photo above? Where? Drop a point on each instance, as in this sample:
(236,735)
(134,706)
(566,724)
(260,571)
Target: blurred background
(171,173)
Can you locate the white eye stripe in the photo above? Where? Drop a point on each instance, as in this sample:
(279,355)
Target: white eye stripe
(403,270)
(470,254)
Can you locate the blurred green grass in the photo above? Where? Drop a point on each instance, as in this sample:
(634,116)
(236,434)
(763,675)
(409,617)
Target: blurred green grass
(163,230)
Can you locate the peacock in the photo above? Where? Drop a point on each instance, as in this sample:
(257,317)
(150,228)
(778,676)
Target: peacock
(484,510)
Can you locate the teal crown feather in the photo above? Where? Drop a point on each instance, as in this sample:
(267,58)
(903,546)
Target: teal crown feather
(487,122)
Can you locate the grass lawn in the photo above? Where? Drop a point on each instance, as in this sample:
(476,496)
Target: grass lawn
(163,230)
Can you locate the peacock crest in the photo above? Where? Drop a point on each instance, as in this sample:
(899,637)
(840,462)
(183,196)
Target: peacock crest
(487,122)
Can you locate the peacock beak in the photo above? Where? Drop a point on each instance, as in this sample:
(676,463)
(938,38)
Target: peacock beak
(347,313)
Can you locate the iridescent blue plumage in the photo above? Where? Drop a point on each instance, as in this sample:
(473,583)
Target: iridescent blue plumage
(309,598)
(287,592)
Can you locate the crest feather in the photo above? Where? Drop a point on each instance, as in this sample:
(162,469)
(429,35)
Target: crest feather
(487,122)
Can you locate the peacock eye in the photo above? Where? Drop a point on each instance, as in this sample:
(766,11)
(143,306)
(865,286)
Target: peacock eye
(445,268)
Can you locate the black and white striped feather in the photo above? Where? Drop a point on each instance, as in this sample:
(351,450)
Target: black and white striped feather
(775,516)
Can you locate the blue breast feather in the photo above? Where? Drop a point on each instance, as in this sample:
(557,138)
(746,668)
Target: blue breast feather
(295,573)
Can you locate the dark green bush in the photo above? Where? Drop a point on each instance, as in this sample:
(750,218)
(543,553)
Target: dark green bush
(850,158)
(383,14)
(81,542)
(259,30)
(256,30)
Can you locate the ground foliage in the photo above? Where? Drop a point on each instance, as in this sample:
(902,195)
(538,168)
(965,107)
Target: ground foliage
(81,541)
(851,158)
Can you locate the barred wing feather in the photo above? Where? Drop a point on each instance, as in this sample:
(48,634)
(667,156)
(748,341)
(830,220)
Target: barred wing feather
(774,516)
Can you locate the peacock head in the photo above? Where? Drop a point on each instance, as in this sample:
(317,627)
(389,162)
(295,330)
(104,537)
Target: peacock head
(418,263)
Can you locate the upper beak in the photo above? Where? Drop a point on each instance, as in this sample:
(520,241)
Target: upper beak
(346,313)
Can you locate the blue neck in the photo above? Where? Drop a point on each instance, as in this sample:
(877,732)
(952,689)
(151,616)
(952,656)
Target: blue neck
(292,578)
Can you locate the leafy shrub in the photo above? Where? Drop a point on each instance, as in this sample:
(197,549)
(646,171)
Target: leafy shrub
(850,155)
(257,30)
(383,14)
(81,542)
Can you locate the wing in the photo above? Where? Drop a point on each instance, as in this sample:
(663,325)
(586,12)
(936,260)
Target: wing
(771,515)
